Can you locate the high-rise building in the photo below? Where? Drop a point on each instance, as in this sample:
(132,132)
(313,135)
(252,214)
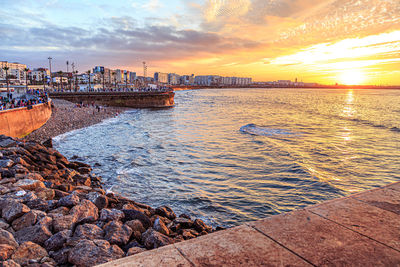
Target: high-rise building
(161,77)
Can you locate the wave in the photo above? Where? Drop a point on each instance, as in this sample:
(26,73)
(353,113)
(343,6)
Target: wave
(263,131)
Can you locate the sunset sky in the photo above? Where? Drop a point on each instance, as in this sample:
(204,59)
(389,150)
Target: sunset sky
(326,41)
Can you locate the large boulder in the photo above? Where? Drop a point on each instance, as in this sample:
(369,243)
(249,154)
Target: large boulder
(29,251)
(14,210)
(57,241)
(200,226)
(88,231)
(166,211)
(136,226)
(6,238)
(26,220)
(91,253)
(28,184)
(153,239)
(137,215)
(160,226)
(61,223)
(111,215)
(117,233)
(69,201)
(86,211)
(37,234)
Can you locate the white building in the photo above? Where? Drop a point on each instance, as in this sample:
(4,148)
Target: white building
(173,78)
(16,71)
(37,75)
(161,77)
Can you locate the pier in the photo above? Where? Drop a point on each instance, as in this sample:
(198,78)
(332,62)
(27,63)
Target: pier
(120,99)
(358,230)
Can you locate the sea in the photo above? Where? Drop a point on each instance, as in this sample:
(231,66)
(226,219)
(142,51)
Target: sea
(230,156)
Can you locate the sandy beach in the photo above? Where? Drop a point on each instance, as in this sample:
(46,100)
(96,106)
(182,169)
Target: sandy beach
(68,116)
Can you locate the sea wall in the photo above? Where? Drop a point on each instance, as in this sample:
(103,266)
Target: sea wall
(121,99)
(20,122)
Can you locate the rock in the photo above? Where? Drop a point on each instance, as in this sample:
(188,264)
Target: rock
(46,221)
(111,215)
(185,216)
(6,163)
(69,201)
(60,210)
(88,231)
(63,223)
(60,256)
(99,200)
(60,194)
(183,222)
(3,224)
(28,219)
(28,184)
(45,193)
(6,251)
(29,196)
(28,251)
(48,143)
(20,169)
(38,204)
(136,226)
(6,141)
(117,233)
(37,234)
(14,210)
(34,176)
(188,234)
(90,253)
(86,211)
(153,239)
(6,238)
(166,211)
(135,250)
(200,226)
(10,263)
(137,215)
(159,226)
(57,241)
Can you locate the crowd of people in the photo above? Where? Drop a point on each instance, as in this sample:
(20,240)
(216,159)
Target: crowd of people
(32,97)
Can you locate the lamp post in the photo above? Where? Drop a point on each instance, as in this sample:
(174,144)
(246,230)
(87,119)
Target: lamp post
(26,79)
(6,69)
(51,79)
(88,72)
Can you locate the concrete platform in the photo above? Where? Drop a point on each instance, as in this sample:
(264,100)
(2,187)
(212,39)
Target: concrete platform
(359,230)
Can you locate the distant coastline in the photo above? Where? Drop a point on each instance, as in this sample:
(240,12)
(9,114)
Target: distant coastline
(182,88)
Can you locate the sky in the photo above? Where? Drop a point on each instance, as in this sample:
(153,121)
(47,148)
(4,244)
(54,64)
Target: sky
(324,41)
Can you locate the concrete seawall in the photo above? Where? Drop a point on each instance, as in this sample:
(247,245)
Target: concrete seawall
(121,99)
(20,122)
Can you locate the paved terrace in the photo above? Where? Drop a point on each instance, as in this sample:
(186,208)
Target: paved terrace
(359,230)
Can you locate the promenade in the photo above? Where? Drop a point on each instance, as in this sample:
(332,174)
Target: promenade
(358,230)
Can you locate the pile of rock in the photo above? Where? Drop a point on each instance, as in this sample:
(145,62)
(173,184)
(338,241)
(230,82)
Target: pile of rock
(55,212)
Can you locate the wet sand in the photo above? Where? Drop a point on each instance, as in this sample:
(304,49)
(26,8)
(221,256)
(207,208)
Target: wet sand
(68,116)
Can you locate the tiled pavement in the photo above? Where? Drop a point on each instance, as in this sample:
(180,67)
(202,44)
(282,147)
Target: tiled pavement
(359,230)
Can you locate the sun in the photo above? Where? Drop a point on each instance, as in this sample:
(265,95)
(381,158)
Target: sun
(351,77)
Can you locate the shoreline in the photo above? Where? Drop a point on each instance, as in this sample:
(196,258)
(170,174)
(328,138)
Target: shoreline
(55,212)
(67,116)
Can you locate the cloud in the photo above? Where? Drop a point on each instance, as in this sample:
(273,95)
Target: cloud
(152,5)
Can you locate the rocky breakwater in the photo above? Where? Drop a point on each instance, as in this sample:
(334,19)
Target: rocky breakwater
(54,212)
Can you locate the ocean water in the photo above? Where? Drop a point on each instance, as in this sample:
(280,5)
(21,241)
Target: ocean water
(235,155)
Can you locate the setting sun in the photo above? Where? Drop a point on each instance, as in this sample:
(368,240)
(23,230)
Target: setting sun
(351,77)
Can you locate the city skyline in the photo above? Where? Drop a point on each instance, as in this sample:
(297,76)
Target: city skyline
(343,41)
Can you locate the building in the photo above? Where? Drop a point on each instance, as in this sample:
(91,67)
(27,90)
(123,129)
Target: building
(187,79)
(37,75)
(119,76)
(207,80)
(108,77)
(173,78)
(132,77)
(161,77)
(16,72)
